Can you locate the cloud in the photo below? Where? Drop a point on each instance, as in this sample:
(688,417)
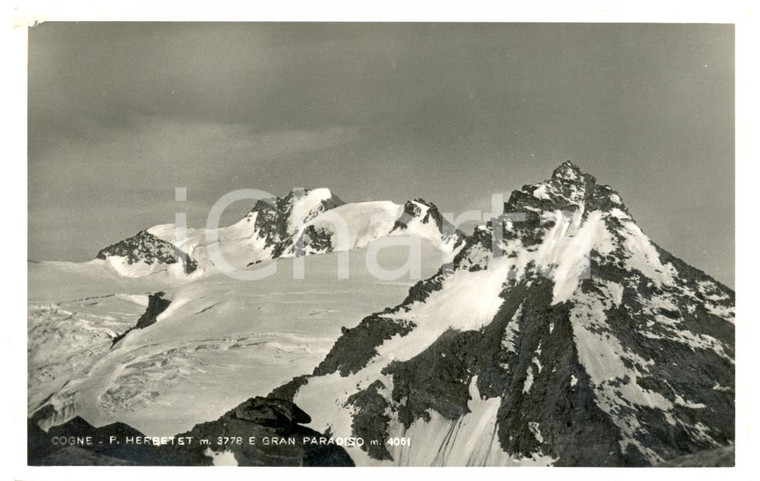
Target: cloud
(153,151)
(185,141)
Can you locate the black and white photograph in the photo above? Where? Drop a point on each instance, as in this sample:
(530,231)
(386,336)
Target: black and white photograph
(381,244)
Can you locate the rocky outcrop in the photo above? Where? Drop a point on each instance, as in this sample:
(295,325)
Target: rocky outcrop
(156,305)
(146,248)
(358,345)
(265,427)
(256,433)
(278,218)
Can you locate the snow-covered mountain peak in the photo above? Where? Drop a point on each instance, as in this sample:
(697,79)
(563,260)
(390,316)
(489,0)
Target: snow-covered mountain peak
(561,335)
(423,212)
(560,228)
(423,218)
(309,199)
(306,203)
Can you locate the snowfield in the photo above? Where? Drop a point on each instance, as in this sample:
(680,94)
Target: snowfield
(220,341)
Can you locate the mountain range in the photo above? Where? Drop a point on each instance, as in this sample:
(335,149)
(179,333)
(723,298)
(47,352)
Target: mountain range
(557,333)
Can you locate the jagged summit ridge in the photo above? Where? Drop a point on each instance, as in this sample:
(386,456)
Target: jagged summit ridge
(423,212)
(567,189)
(568,171)
(356,225)
(296,207)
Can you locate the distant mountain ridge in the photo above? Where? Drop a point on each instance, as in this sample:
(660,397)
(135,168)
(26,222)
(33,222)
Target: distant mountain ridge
(303,222)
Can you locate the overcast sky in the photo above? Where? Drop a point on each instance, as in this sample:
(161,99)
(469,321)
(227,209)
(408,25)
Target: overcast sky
(120,114)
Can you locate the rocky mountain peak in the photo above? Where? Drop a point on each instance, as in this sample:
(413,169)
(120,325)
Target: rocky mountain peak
(322,197)
(427,213)
(567,190)
(278,218)
(569,172)
(149,249)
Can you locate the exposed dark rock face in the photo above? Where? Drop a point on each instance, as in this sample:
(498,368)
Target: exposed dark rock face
(412,210)
(371,419)
(272,215)
(540,380)
(415,214)
(438,380)
(317,239)
(147,248)
(357,345)
(435,380)
(289,389)
(427,212)
(271,412)
(420,291)
(156,305)
(270,418)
